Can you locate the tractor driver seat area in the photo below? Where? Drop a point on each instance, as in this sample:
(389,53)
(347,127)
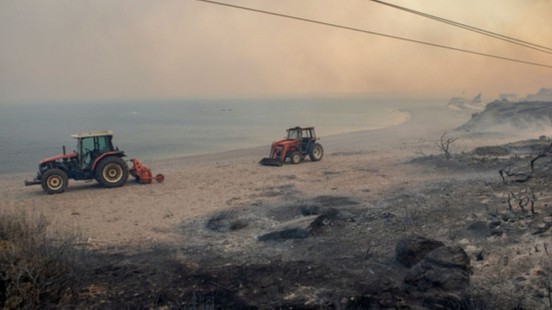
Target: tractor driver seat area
(306,141)
(85,153)
(306,144)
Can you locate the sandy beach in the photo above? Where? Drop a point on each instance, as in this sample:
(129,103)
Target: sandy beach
(373,173)
(194,187)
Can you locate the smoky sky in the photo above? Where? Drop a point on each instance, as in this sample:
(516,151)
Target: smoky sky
(136,49)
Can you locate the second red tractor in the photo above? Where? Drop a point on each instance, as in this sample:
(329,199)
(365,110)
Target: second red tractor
(299,143)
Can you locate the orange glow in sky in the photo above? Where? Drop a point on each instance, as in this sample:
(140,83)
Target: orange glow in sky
(137,49)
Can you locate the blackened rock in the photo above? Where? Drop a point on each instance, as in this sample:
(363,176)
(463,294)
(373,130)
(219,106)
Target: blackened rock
(479,229)
(441,278)
(448,257)
(410,250)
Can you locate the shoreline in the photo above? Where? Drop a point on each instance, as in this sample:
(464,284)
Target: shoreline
(405,117)
(408,138)
(265,149)
(173,131)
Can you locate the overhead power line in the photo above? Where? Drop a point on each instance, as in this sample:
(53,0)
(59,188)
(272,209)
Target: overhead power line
(491,34)
(312,21)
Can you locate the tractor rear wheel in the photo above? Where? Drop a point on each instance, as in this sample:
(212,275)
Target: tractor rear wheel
(112,172)
(296,158)
(316,152)
(54,181)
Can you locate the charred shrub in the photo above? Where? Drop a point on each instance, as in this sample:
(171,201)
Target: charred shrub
(37,269)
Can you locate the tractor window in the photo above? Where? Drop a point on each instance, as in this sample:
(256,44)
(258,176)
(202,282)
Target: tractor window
(87,144)
(85,151)
(104,144)
(294,135)
(92,147)
(97,145)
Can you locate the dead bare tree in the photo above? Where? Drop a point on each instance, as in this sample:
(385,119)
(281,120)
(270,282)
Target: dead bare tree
(444,144)
(520,177)
(545,152)
(524,198)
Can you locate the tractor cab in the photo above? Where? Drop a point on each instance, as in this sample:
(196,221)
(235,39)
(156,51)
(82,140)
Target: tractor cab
(91,145)
(294,133)
(305,137)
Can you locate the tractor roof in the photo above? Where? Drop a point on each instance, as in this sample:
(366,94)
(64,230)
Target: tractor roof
(300,128)
(96,133)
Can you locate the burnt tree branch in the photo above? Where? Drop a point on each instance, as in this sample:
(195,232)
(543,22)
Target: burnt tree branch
(444,144)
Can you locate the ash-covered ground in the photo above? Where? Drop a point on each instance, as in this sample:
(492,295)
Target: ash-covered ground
(351,257)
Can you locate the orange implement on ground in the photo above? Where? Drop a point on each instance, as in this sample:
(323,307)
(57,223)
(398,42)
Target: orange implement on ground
(143,174)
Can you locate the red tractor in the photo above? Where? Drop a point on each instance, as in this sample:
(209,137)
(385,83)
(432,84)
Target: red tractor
(299,143)
(95,158)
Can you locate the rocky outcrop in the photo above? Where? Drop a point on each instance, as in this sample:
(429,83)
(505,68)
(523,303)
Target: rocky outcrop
(460,103)
(518,115)
(544,94)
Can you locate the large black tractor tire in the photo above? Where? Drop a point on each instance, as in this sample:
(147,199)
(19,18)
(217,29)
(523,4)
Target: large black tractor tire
(54,181)
(296,158)
(317,152)
(112,171)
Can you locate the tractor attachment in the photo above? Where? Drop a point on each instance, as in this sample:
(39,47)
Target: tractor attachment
(267,161)
(142,174)
(277,155)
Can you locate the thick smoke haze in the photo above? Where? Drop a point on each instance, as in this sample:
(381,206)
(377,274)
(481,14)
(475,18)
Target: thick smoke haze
(142,50)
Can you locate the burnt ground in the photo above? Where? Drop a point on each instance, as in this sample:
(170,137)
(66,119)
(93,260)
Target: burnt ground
(349,261)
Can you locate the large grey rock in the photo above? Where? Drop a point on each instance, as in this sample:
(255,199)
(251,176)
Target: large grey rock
(410,250)
(441,278)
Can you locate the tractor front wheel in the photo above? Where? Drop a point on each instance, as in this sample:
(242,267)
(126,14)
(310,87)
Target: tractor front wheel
(316,152)
(112,172)
(54,181)
(295,158)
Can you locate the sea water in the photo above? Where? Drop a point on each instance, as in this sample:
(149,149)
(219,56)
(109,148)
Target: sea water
(156,130)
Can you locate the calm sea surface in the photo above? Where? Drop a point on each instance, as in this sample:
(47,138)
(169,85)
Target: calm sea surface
(154,130)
